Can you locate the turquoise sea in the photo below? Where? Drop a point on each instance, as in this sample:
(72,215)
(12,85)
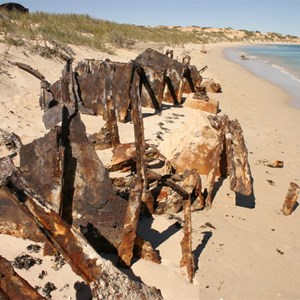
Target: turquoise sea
(277,63)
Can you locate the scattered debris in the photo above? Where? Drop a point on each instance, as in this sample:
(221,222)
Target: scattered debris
(25,261)
(279,251)
(209,225)
(33,248)
(58,261)
(271,182)
(271,163)
(243,57)
(48,288)
(43,274)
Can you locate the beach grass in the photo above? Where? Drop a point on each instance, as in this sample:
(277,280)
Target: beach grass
(49,33)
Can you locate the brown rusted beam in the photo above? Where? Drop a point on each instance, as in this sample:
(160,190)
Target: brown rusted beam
(187,259)
(237,159)
(125,250)
(138,125)
(211,176)
(290,201)
(13,286)
(31,71)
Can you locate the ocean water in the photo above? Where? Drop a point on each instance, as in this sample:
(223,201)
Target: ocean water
(277,63)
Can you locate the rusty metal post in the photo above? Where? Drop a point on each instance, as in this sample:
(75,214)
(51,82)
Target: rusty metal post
(125,250)
(211,177)
(291,199)
(187,259)
(237,159)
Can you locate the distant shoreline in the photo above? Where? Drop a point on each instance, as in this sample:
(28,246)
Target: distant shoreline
(273,75)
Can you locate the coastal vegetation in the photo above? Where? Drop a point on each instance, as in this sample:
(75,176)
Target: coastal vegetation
(48,34)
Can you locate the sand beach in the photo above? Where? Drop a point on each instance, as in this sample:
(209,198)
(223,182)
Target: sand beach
(244,247)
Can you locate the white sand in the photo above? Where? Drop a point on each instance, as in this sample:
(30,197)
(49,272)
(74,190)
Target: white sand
(253,252)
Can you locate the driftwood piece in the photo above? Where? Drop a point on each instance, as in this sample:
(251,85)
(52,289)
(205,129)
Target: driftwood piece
(290,201)
(13,286)
(82,258)
(237,160)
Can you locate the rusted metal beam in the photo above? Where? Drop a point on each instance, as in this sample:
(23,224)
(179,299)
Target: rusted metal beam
(290,201)
(13,286)
(237,159)
(187,259)
(211,176)
(125,250)
(30,70)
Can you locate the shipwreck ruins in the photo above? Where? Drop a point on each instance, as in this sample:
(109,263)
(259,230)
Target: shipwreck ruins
(62,194)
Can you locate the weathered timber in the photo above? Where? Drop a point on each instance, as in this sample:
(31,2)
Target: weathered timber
(82,258)
(290,202)
(13,285)
(237,160)
(211,177)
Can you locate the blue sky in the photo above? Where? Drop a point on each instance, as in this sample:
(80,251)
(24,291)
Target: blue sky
(280,16)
